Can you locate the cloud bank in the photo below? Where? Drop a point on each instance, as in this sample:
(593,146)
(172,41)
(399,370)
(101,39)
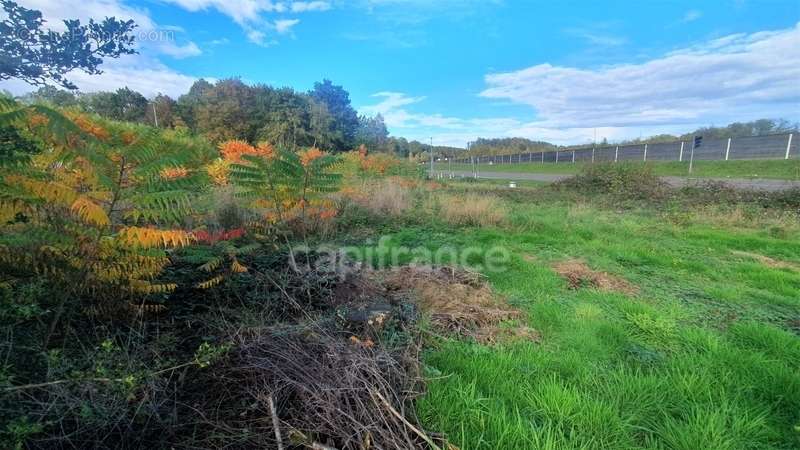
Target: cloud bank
(736,77)
(724,79)
(252,15)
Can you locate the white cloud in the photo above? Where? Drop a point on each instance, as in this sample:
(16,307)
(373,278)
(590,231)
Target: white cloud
(733,78)
(597,37)
(149,35)
(180,52)
(691,15)
(299,7)
(241,11)
(391,102)
(55,12)
(145,75)
(250,14)
(744,75)
(284,26)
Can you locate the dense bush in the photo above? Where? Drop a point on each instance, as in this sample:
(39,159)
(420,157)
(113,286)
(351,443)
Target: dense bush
(632,181)
(709,192)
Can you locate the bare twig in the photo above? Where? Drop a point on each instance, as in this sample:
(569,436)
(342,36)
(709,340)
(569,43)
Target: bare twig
(275,425)
(406,422)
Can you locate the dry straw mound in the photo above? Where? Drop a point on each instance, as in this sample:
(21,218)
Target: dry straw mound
(307,387)
(459,302)
(579,275)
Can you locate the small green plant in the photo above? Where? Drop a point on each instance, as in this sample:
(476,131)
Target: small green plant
(207,354)
(18,431)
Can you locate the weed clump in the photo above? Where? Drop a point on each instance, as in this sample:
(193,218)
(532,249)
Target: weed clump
(579,275)
(386,197)
(630,181)
(714,192)
(472,210)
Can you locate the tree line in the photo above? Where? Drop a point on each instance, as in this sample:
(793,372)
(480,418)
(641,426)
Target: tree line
(231,109)
(514,145)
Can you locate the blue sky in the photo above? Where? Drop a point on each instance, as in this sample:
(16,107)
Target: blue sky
(459,69)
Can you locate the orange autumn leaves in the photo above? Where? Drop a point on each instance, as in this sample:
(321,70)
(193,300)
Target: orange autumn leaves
(232,152)
(308,156)
(375,164)
(88,126)
(286,196)
(174,173)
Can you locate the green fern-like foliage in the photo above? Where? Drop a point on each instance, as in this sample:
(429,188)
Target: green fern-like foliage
(288,186)
(95,211)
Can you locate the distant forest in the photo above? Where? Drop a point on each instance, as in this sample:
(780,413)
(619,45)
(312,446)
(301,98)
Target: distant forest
(504,146)
(230,109)
(323,116)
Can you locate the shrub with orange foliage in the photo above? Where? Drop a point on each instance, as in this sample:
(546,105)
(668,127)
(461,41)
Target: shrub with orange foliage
(291,188)
(307,156)
(378,164)
(232,151)
(265,150)
(88,126)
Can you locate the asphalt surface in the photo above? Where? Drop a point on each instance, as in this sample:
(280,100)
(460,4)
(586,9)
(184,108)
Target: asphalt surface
(758,184)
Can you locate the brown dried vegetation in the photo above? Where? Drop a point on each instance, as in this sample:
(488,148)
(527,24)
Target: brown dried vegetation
(579,275)
(459,302)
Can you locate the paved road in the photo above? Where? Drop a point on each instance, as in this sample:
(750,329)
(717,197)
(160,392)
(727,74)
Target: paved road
(760,184)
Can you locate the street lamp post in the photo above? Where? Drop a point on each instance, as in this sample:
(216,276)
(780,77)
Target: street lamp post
(431,157)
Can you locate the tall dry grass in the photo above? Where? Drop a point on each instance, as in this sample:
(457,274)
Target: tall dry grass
(472,210)
(385,197)
(389,198)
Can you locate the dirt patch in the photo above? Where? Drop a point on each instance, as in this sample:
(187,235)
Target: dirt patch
(767,261)
(579,275)
(459,302)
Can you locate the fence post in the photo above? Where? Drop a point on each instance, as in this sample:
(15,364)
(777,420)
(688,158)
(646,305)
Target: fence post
(788,146)
(556,156)
(680,155)
(645,152)
(728,149)
(592,155)
(616,153)
(573,157)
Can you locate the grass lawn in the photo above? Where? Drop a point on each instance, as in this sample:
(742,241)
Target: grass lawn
(705,356)
(775,169)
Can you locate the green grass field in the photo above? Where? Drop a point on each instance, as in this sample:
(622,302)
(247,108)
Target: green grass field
(774,169)
(705,356)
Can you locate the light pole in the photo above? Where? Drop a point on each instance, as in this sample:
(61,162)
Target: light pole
(431,157)
(155,114)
